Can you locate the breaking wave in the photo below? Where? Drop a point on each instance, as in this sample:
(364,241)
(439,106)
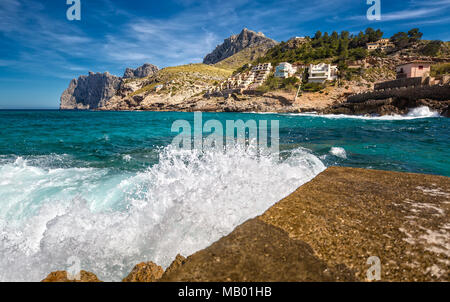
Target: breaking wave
(415,113)
(339,152)
(112,221)
(422,112)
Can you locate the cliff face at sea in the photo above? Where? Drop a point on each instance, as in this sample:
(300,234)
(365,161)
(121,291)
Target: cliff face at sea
(96,89)
(235,44)
(90,92)
(327,230)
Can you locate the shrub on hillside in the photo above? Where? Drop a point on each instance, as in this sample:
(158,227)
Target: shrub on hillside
(440,69)
(358,53)
(273,83)
(313,87)
(432,48)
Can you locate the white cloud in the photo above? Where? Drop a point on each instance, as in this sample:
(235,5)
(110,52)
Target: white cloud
(410,14)
(54,46)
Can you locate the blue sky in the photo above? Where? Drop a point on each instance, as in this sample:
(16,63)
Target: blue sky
(41,51)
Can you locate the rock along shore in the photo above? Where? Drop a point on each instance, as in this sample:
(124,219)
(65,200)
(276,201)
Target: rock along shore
(326,231)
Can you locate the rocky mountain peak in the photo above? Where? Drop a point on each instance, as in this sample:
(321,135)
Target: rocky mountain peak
(140,72)
(235,43)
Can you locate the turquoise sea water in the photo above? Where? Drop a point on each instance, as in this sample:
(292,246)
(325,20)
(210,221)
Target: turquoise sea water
(104,139)
(104,186)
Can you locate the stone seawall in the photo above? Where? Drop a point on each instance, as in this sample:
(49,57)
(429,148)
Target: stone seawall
(435,92)
(398,83)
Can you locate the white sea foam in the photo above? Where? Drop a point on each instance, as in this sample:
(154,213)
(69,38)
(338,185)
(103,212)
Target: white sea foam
(113,221)
(422,112)
(415,113)
(339,152)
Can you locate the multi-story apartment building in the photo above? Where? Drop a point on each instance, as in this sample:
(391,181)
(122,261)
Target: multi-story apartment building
(261,71)
(248,80)
(322,72)
(285,70)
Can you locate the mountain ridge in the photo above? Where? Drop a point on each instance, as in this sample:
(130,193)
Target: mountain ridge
(236,43)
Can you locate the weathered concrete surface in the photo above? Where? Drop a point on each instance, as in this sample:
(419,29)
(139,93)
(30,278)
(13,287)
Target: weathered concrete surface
(347,215)
(329,227)
(255,251)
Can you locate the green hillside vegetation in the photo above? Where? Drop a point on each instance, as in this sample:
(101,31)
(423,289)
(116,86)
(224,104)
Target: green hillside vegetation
(343,48)
(372,74)
(199,69)
(272,83)
(312,87)
(340,48)
(435,48)
(322,47)
(146,88)
(184,75)
(440,69)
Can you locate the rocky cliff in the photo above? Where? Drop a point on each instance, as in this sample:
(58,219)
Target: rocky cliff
(90,92)
(140,72)
(171,88)
(96,89)
(236,43)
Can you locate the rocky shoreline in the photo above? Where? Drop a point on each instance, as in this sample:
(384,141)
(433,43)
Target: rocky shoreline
(124,94)
(326,231)
(390,106)
(282,103)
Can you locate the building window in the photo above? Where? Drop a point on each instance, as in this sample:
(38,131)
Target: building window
(420,67)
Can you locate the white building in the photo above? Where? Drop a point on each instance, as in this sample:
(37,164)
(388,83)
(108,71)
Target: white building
(322,72)
(248,80)
(382,44)
(267,67)
(261,72)
(284,70)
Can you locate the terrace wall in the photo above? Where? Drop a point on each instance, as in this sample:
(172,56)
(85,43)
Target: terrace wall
(435,92)
(406,82)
